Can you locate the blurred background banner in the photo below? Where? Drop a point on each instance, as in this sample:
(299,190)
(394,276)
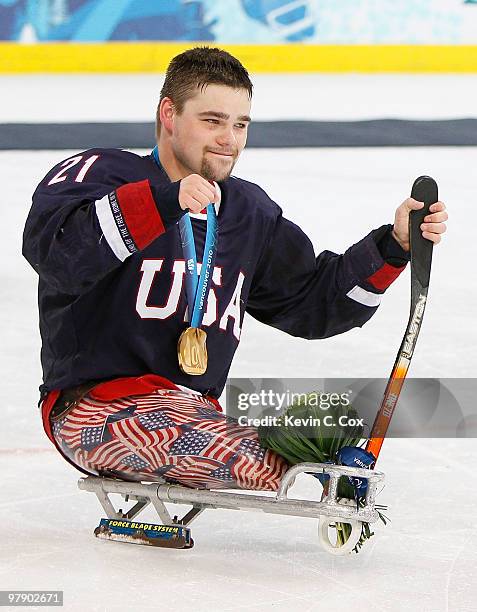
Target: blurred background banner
(242,21)
(424,35)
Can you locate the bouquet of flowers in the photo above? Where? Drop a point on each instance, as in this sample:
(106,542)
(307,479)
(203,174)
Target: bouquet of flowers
(302,434)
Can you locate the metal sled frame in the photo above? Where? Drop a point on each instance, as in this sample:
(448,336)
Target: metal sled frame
(159,492)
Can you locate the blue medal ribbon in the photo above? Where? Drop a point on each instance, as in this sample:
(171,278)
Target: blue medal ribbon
(197,288)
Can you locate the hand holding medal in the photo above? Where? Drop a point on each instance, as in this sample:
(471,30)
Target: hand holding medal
(195,193)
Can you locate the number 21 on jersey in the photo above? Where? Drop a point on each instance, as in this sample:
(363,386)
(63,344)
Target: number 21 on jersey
(70,163)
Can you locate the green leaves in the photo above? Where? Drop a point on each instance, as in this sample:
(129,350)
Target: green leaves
(306,432)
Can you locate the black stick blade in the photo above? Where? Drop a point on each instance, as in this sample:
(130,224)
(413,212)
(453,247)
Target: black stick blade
(423,190)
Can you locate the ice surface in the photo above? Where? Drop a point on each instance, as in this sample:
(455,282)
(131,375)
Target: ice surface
(425,559)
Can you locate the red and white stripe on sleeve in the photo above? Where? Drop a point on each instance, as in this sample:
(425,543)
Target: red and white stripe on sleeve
(378,283)
(129,218)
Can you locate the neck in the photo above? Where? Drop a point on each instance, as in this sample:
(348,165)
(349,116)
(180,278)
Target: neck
(174,170)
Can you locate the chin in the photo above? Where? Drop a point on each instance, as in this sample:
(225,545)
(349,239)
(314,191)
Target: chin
(214,172)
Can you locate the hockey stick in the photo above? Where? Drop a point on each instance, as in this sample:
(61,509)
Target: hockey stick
(423,190)
(351,536)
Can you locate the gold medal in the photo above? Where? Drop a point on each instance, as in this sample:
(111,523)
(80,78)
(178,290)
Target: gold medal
(192,351)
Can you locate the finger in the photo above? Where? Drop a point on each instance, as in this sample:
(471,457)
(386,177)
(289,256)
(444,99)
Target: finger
(208,191)
(196,203)
(434,228)
(198,182)
(437,207)
(436,217)
(435,238)
(216,191)
(202,198)
(198,193)
(204,187)
(194,195)
(189,204)
(215,197)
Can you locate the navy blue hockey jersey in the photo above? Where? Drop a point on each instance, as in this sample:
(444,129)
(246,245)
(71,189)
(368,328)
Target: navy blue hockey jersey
(103,236)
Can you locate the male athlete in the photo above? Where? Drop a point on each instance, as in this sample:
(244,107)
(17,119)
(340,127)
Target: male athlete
(137,339)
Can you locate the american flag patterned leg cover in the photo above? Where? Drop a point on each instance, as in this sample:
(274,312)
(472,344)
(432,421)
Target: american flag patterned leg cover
(170,434)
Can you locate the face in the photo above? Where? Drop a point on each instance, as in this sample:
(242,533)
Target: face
(209,134)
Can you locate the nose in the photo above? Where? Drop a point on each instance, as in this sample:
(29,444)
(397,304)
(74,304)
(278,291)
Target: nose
(226,136)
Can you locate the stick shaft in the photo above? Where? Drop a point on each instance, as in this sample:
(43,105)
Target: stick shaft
(425,190)
(391,395)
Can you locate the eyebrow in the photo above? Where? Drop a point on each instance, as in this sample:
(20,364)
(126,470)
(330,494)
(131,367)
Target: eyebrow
(224,116)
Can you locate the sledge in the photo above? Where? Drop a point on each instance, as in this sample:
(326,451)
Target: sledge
(328,510)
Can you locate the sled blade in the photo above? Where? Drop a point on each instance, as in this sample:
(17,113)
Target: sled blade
(134,532)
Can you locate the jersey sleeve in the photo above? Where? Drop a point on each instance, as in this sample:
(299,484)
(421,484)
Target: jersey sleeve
(317,297)
(90,213)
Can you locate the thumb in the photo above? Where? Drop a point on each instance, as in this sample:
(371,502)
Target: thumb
(217,193)
(412,204)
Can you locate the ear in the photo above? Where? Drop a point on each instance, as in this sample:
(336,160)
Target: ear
(166,114)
